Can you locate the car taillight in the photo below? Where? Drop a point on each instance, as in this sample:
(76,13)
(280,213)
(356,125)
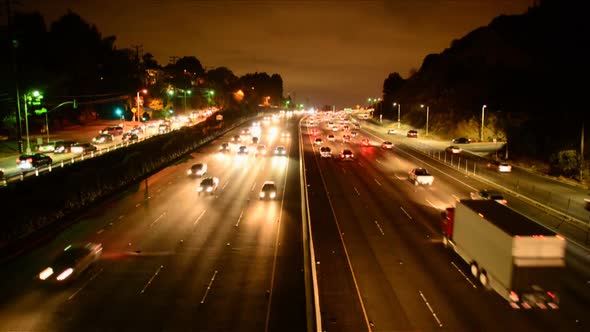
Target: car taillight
(29,160)
(351,156)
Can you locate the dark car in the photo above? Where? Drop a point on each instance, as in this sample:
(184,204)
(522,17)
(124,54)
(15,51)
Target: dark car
(224,148)
(346,155)
(83,148)
(113,130)
(63,147)
(461,140)
(268,190)
(208,185)
(71,262)
(236,138)
(197,170)
(129,137)
(412,133)
(102,139)
(29,161)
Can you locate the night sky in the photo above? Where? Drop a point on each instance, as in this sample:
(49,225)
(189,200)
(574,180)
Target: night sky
(335,52)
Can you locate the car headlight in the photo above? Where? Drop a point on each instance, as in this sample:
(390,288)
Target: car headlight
(46,273)
(273,194)
(262,194)
(209,189)
(65,274)
(189,172)
(199,189)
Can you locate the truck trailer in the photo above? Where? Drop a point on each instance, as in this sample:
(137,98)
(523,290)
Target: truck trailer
(507,252)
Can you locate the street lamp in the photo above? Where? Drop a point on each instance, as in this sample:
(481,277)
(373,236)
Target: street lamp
(29,98)
(185,93)
(483,108)
(427,115)
(144,91)
(398,118)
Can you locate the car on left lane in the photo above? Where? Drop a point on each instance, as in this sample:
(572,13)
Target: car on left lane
(197,170)
(268,190)
(71,262)
(208,185)
(30,161)
(82,148)
(102,139)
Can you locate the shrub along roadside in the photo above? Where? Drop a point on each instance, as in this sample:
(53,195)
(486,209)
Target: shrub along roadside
(49,200)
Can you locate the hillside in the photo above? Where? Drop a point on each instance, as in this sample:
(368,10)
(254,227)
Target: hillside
(530,71)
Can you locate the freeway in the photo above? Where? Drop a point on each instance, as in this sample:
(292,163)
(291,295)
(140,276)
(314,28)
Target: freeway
(380,238)
(177,261)
(563,197)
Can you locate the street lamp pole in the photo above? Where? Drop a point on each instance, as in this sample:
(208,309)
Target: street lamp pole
(482,118)
(27,125)
(398,115)
(427,116)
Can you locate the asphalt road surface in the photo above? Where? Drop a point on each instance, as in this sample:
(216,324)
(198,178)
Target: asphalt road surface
(174,260)
(382,266)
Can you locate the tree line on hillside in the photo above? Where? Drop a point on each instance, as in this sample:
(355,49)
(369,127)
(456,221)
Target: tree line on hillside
(528,70)
(71,59)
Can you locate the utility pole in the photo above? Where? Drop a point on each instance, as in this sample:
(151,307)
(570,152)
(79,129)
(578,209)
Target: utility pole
(13,44)
(582,154)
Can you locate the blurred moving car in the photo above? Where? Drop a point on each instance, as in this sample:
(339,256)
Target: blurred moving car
(255,140)
(83,148)
(453,149)
(2,173)
(224,148)
(261,150)
(331,138)
(391,131)
(197,170)
(280,151)
(130,137)
(30,161)
(325,152)
(365,142)
(47,147)
(63,146)
(268,190)
(285,134)
(102,139)
(208,185)
(164,128)
(71,262)
(353,134)
(420,176)
(112,130)
(461,140)
(137,130)
(242,150)
(318,141)
(245,131)
(345,138)
(236,138)
(387,145)
(500,166)
(412,133)
(346,154)
(489,194)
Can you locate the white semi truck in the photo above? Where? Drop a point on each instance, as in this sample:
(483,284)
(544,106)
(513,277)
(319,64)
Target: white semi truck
(507,252)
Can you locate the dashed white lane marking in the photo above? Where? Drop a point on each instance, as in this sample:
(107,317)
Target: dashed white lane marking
(431,204)
(379,226)
(379,161)
(456,197)
(122,216)
(151,279)
(361,164)
(137,205)
(84,285)
(240,218)
(379,183)
(431,310)
(406,212)
(199,218)
(100,231)
(157,219)
(463,274)
(208,287)
(253,185)
(357,192)
(400,178)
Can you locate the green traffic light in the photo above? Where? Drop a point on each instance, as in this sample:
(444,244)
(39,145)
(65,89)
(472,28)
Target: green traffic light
(36,93)
(170,92)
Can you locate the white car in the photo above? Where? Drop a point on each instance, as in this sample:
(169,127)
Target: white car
(392,132)
(420,176)
(453,149)
(331,138)
(318,141)
(208,185)
(325,152)
(197,170)
(280,151)
(387,145)
(500,166)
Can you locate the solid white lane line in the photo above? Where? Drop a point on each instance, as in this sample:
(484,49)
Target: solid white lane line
(208,287)
(406,212)
(431,310)
(463,274)
(253,185)
(379,183)
(100,231)
(431,204)
(199,218)
(240,218)
(379,226)
(157,219)
(151,279)
(84,285)
(357,192)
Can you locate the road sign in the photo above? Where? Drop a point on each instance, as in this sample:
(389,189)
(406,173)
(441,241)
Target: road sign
(133,109)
